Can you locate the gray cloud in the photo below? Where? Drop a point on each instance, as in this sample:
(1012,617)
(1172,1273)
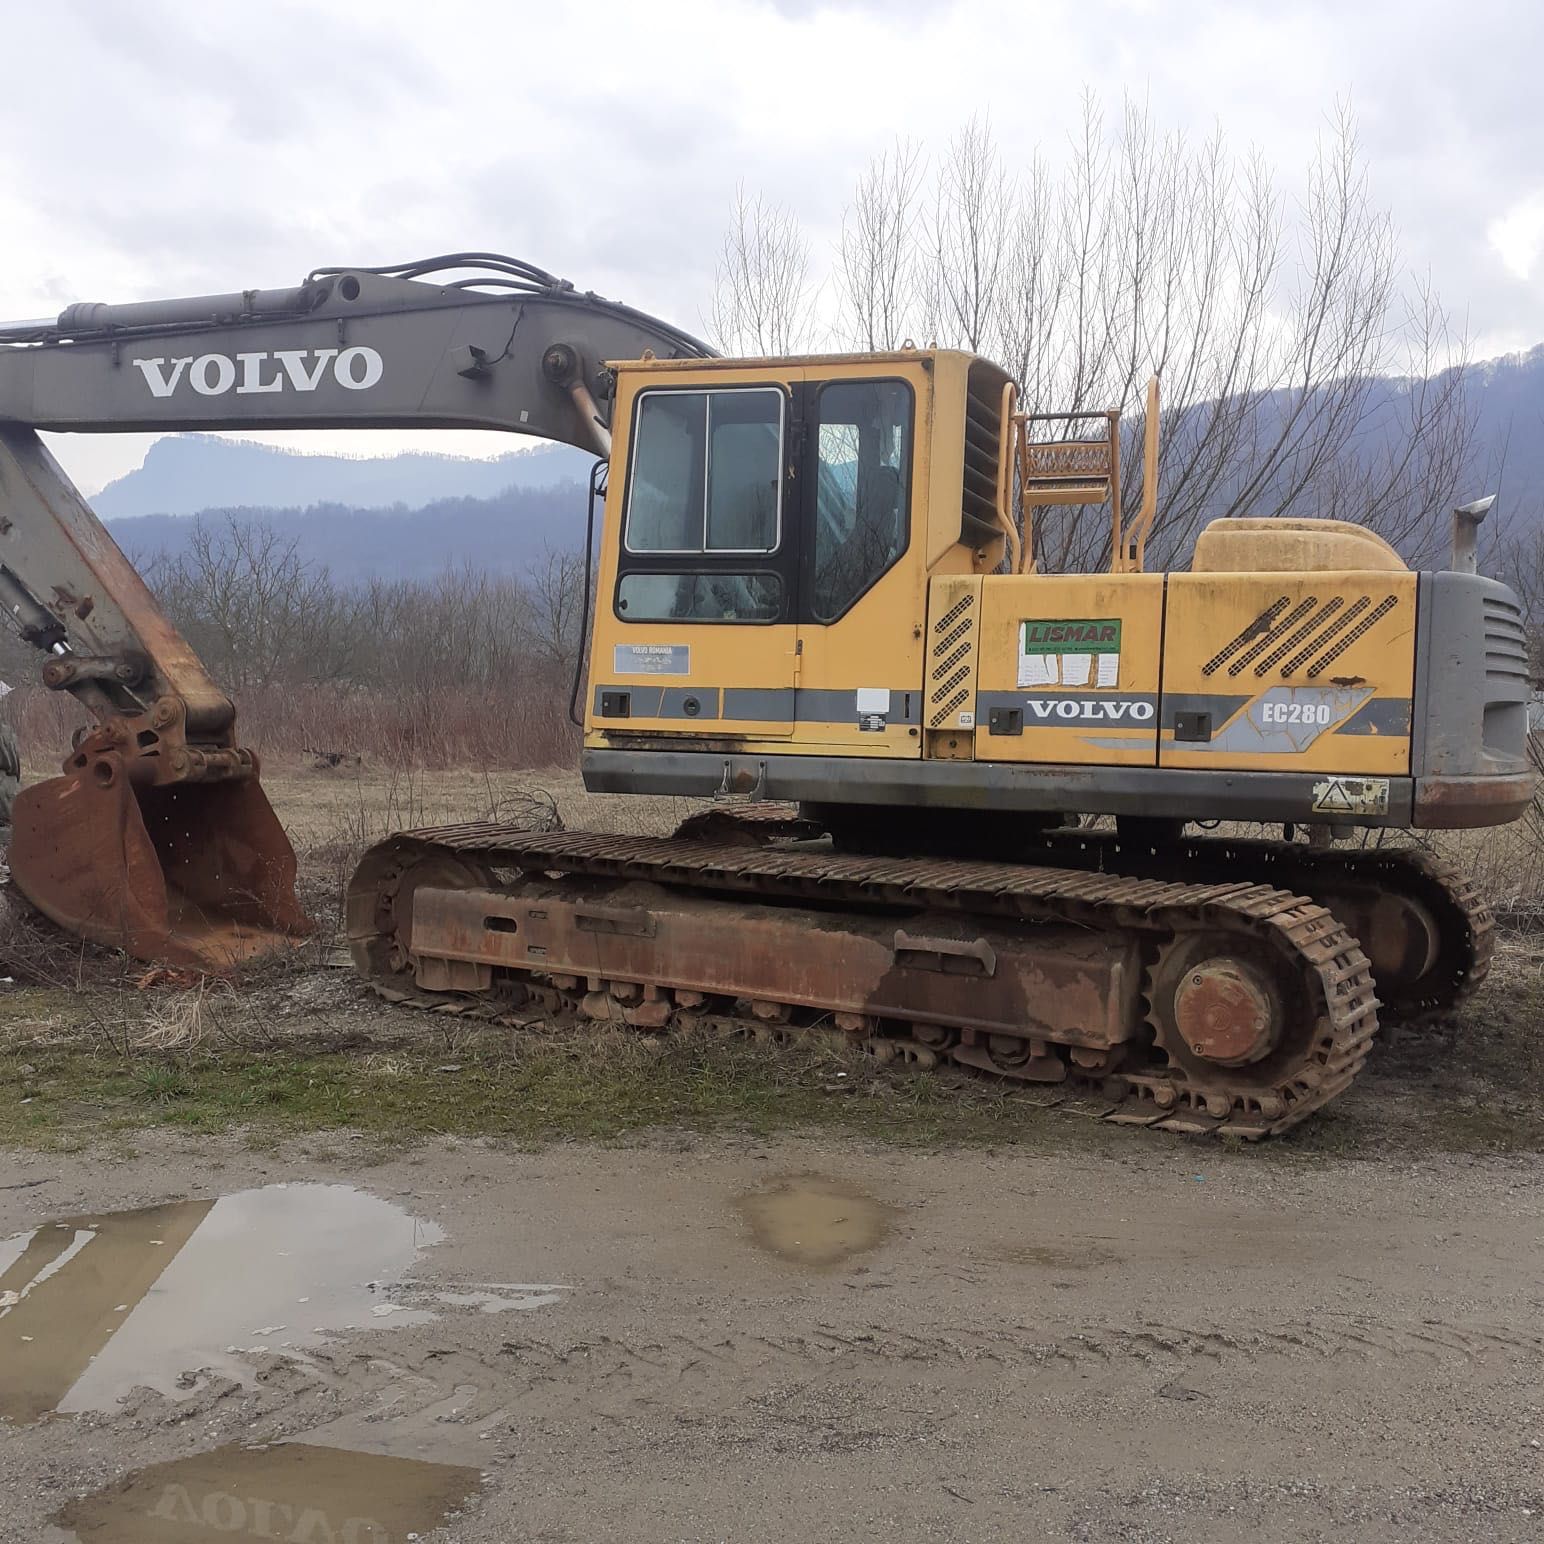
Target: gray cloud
(173,146)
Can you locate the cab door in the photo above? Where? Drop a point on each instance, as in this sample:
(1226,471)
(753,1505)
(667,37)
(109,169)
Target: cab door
(698,635)
(861,575)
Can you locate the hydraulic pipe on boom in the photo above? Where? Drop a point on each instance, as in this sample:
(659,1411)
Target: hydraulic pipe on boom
(158,838)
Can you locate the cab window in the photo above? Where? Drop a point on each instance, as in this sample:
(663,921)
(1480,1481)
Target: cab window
(863,457)
(708,596)
(707,472)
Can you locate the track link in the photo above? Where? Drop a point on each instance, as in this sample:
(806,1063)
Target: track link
(1344,879)
(1464,924)
(1156,1080)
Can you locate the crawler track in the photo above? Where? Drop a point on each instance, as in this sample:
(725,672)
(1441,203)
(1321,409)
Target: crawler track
(1200,951)
(1429,933)
(1344,881)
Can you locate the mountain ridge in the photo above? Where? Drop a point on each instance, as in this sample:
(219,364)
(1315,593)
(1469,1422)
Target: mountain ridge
(187,474)
(416,514)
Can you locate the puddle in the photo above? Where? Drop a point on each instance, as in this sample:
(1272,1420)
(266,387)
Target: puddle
(289,1491)
(811,1220)
(91,1307)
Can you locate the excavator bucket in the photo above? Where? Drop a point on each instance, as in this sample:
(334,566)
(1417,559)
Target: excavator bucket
(193,874)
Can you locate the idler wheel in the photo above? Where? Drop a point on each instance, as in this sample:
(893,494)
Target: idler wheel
(1400,936)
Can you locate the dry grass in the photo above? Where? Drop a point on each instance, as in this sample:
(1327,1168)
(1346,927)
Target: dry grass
(1507,862)
(445,728)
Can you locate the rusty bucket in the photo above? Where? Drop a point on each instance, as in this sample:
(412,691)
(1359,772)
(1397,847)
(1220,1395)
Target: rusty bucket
(198,874)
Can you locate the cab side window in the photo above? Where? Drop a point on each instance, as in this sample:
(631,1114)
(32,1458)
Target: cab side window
(862,446)
(707,472)
(703,538)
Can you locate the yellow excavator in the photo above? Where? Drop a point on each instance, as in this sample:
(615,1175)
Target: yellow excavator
(817,607)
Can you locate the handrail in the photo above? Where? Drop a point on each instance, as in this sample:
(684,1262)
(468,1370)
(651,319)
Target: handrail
(1005,459)
(1128,544)
(1135,556)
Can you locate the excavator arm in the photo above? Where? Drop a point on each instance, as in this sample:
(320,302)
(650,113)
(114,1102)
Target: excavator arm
(158,838)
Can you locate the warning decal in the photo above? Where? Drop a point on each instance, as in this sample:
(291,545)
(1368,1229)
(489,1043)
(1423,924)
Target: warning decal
(1082,651)
(1351,796)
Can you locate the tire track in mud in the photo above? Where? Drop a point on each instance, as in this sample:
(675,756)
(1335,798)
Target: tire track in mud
(613,1376)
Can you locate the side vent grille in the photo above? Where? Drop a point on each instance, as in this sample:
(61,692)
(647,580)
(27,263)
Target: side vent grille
(1506,642)
(951,662)
(983,448)
(1261,624)
(1346,639)
(955,612)
(1304,608)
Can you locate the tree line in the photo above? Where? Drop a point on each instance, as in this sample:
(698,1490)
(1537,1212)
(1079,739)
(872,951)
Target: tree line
(461,667)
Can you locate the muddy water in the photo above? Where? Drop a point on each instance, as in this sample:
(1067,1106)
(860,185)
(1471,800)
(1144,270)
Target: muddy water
(91,1307)
(292,1491)
(810,1220)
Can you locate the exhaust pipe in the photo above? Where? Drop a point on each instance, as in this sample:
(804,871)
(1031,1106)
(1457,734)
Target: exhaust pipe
(1466,535)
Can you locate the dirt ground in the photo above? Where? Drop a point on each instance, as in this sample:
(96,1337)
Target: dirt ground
(1153,1345)
(756,1303)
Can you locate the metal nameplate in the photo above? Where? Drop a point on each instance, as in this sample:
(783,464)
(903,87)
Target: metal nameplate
(652,659)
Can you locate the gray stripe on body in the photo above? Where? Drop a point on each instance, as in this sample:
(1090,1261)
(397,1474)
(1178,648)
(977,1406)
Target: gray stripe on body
(822,705)
(767,704)
(763,704)
(643,701)
(1258,732)
(1113,707)
(674,705)
(1219,705)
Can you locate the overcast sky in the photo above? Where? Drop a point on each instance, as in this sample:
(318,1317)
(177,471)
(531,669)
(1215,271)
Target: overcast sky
(166,148)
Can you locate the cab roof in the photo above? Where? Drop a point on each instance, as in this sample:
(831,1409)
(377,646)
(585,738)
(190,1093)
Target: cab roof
(924,356)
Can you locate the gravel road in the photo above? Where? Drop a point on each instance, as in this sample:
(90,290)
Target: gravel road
(807,1340)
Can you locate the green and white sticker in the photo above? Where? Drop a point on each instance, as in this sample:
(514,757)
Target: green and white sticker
(1070,651)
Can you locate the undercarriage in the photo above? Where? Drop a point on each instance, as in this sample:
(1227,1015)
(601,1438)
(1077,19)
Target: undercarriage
(1236,1002)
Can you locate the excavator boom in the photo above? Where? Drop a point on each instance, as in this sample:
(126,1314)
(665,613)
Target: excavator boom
(158,838)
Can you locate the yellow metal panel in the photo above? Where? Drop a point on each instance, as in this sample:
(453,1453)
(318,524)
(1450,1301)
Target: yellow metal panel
(1300,672)
(1076,657)
(875,648)
(694,678)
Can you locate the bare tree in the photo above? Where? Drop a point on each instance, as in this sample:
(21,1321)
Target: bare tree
(967,265)
(1302,374)
(876,271)
(554,609)
(759,305)
(253,609)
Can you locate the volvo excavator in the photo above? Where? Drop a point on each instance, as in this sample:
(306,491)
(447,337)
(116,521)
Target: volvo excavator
(818,608)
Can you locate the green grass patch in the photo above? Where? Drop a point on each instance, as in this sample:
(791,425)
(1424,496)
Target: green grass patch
(77,1067)
(549,1089)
